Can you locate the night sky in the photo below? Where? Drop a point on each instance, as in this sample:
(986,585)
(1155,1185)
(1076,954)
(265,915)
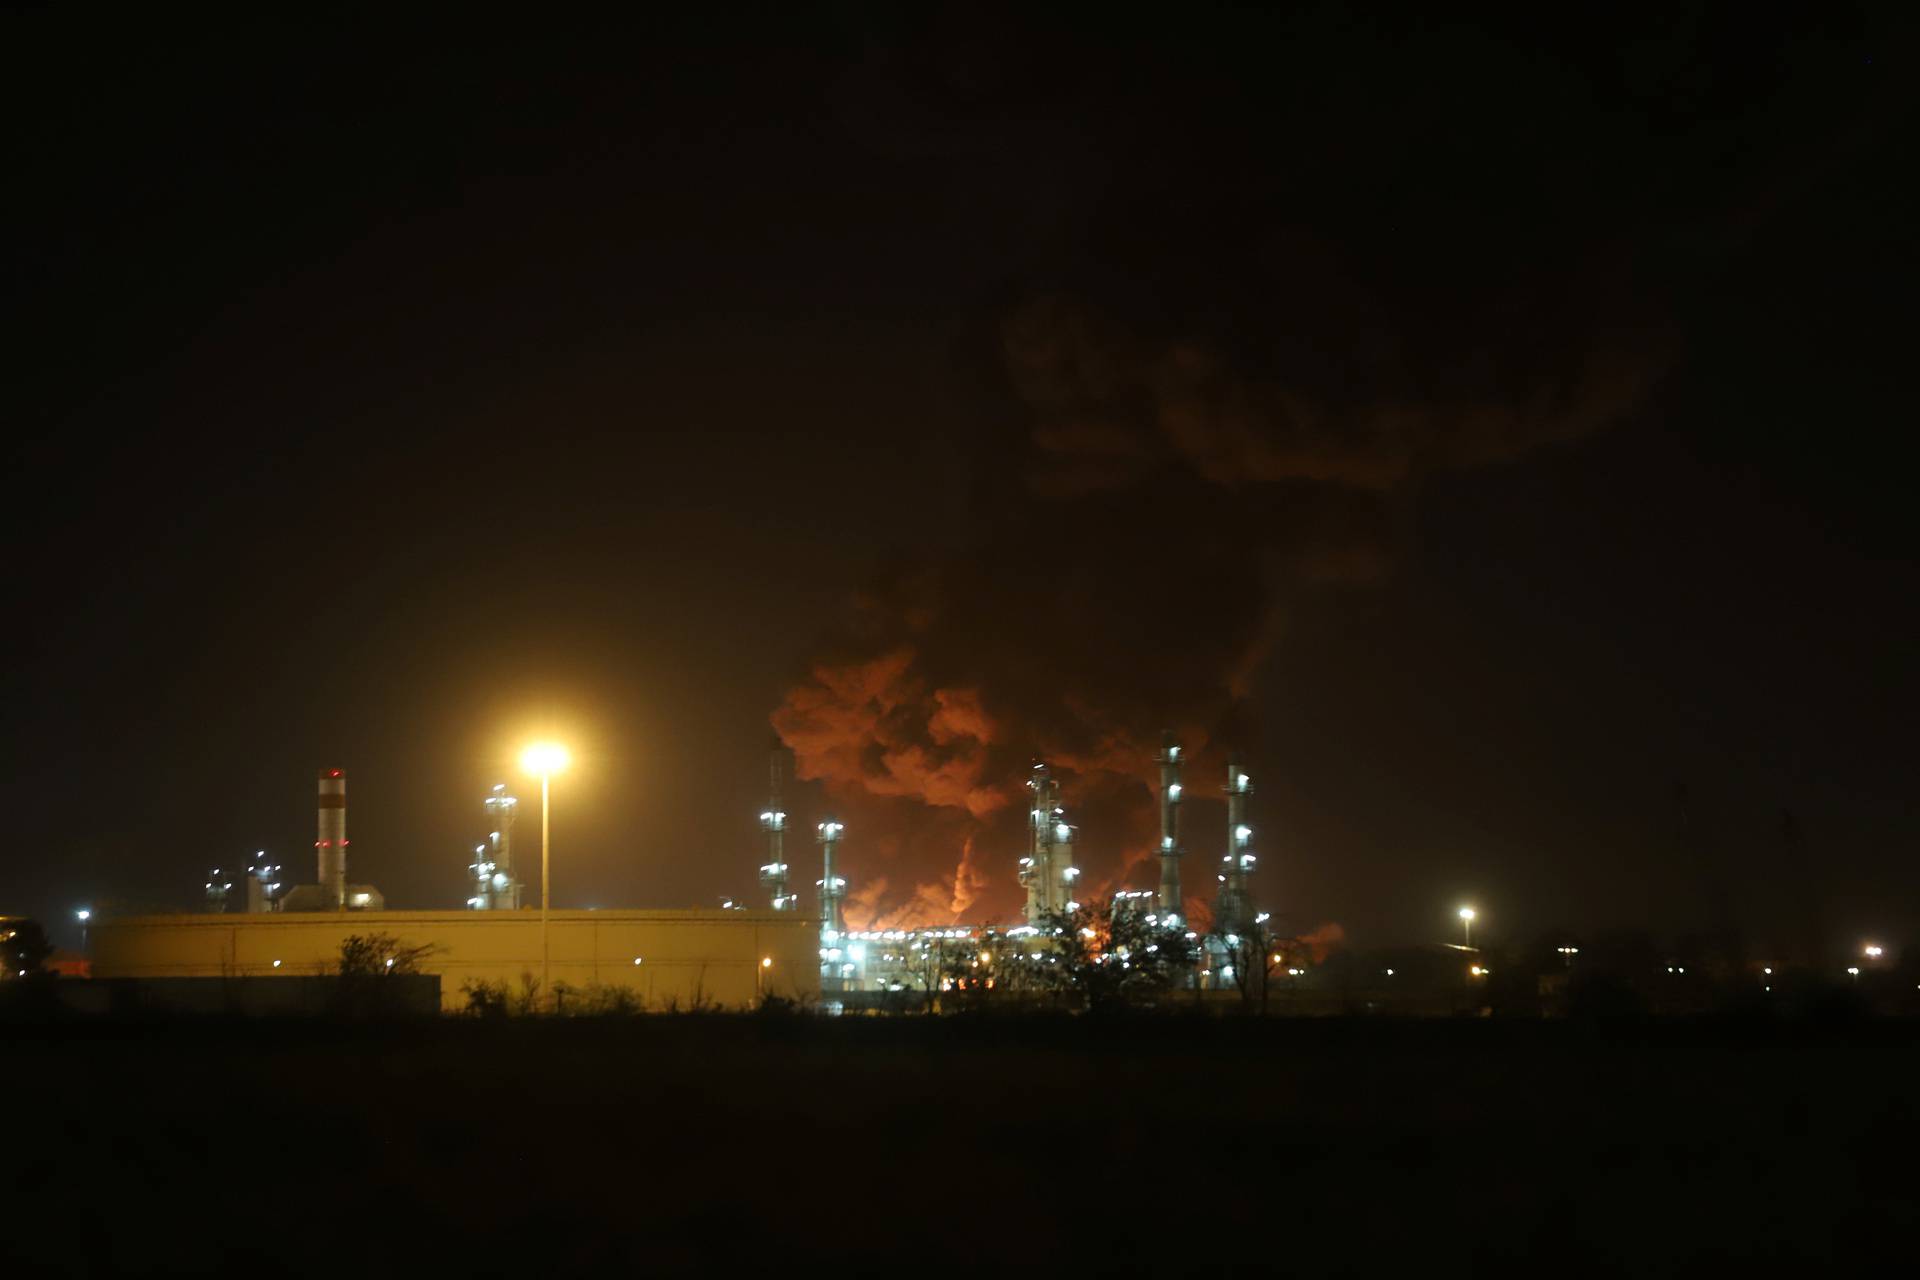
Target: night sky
(1495,434)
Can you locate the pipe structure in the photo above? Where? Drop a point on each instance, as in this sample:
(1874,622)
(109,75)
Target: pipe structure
(1047,872)
(773,872)
(1233,909)
(1172,907)
(332,841)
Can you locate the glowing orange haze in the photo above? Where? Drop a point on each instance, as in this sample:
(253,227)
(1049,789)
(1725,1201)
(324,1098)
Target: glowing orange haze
(914,771)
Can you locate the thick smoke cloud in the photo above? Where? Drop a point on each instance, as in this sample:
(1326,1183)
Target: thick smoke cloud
(1177,492)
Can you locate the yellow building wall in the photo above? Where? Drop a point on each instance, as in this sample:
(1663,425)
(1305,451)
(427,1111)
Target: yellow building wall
(686,957)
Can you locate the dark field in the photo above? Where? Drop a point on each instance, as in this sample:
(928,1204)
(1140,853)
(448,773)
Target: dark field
(710,1144)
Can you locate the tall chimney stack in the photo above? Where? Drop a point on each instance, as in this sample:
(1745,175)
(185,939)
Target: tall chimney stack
(332,843)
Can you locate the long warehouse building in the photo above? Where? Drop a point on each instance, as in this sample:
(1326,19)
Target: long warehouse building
(666,959)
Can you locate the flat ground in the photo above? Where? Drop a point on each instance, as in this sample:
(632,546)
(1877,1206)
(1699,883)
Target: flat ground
(711,1144)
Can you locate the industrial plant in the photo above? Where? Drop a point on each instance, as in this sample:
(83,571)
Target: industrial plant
(257,925)
(899,960)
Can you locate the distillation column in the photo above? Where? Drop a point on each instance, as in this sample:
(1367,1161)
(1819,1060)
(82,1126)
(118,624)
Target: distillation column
(835,967)
(833,888)
(773,873)
(332,841)
(1047,872)
(1172,907)
(495,888)
(1233,909)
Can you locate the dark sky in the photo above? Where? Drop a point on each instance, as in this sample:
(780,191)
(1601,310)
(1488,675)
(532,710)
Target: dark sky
(1488,432)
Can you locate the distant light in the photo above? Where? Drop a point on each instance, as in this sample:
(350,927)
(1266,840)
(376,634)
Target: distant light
(83,915)
(637,959)
(766,962)
(1061,831)
(545,758)
(1389,973)
(1173,791)
(1854,969)
(1466,913)
(1873,952)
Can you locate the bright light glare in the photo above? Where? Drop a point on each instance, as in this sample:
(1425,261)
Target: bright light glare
(1466,913)
(544,758)
(1872,951)
(86,915)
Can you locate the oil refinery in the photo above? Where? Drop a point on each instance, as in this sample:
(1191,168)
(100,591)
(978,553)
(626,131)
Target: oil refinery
(258,925)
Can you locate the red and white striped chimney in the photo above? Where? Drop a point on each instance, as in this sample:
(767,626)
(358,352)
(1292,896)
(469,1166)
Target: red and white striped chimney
(332,843)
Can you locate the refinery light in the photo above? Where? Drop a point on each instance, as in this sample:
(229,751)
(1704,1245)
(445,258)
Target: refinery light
(544,758)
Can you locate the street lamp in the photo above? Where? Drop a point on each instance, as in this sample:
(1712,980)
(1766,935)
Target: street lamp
(83,915)
(545,759)
(1466,925)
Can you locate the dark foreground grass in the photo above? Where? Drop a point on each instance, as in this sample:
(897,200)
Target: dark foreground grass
(707,1144)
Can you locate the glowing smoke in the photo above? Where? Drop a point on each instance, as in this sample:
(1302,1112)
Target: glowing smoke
(1135,575)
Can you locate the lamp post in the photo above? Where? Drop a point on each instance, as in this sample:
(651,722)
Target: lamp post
(545,759)
(1466,925)
(83,915)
